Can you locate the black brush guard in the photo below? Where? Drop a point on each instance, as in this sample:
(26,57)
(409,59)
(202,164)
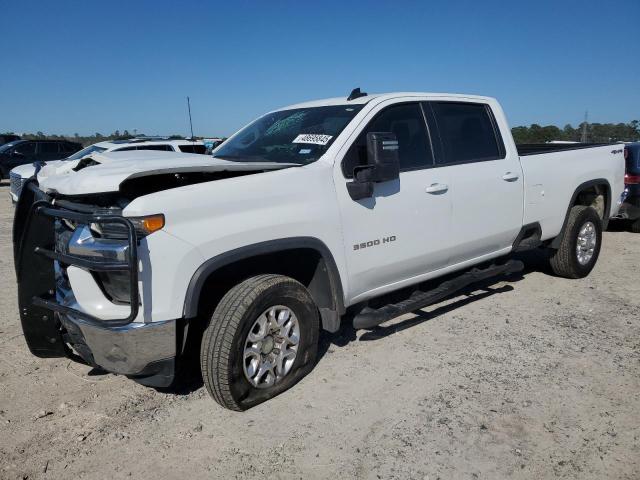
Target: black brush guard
(34,257)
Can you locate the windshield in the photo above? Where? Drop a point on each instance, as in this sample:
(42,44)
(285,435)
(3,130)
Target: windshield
(8,146)
(86,151)
(300,135)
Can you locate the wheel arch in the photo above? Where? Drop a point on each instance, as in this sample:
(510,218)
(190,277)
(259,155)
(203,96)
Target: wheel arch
(306,259)
(588,187)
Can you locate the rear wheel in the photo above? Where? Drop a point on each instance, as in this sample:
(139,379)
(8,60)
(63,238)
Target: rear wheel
(261,340)
(580,245)
(635,226)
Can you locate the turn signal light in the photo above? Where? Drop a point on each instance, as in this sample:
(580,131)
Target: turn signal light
(150,223)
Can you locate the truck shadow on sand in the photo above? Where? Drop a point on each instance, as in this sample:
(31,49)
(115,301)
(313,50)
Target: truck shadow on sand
(190,378)
(534,261)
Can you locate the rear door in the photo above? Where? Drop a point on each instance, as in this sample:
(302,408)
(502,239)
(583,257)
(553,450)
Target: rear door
(486,179)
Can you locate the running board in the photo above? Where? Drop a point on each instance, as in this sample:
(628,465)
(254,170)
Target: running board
(369,317)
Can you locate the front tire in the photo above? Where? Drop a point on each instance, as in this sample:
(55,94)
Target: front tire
(580,245)
(261,340)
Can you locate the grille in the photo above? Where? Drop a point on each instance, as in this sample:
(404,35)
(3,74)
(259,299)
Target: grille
(15,183)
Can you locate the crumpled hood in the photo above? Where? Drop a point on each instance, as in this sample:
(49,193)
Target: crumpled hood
(116,167)
(25,171)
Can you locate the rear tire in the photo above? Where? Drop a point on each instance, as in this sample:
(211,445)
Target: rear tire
(580,245)
(635,226)
(267,323)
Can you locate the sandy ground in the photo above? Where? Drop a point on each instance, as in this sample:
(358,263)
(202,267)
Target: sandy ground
(537,377)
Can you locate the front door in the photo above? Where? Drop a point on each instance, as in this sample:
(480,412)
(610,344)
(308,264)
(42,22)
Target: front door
(23,154)
(402,231)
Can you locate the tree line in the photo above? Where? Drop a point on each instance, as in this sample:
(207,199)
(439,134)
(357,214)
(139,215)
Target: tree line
(90,139)
(594,132)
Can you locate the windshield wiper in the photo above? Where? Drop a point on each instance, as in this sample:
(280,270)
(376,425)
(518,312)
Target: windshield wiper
(251,159)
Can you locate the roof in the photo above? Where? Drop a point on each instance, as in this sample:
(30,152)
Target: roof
(381,97)
(55,140)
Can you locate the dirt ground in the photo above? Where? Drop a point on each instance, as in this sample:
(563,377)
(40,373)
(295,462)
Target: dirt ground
(535,377)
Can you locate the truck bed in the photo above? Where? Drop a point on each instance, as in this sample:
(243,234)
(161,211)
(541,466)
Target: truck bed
(553,175)
(536,148)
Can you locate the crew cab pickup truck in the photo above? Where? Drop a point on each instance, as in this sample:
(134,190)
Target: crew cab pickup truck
(311,215)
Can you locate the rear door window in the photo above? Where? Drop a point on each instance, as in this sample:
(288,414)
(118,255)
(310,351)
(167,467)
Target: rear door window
(467,133)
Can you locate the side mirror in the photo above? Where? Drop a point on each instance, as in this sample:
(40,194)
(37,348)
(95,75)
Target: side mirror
(383,165)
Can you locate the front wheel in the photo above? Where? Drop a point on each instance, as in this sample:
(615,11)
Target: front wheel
(261,340)
(580,244)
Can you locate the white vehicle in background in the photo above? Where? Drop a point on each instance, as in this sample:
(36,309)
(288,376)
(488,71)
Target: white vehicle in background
(20,174)
(356,203)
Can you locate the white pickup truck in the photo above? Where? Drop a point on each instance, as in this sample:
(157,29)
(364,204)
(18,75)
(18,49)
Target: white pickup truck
(312,214)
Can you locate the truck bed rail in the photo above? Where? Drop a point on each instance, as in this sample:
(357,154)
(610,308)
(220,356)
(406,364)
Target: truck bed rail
(537,148)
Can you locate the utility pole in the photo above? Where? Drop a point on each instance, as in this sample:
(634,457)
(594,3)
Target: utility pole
(190,122)
(583,137)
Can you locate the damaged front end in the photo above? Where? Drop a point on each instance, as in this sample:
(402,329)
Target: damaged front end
(53,244)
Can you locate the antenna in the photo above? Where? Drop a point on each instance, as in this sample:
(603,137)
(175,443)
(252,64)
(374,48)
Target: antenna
(356,93)
(583,137)
(190,122)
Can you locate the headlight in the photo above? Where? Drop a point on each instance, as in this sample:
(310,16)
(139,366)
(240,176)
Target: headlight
(143,225)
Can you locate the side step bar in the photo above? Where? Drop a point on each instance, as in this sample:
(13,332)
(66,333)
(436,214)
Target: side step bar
(369,317)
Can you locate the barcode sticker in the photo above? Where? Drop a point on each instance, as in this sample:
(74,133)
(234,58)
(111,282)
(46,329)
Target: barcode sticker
(316,139)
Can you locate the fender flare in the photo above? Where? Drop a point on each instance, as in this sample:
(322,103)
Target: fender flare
(555,243)
(194,290)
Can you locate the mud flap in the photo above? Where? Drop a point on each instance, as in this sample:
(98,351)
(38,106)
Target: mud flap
(35,273)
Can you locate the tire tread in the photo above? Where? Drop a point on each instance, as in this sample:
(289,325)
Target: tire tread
(562,259)
(217,340)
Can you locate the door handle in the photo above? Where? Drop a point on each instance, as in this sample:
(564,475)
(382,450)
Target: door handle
(437,188)
(510,177)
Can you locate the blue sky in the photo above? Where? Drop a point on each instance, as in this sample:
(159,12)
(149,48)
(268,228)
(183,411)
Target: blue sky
(89,66)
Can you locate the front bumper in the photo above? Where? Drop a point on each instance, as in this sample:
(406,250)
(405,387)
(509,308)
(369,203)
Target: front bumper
(143,351)
(55,325)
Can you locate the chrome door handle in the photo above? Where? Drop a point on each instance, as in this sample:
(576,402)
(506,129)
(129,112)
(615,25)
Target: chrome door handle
(510,177)
(437,188)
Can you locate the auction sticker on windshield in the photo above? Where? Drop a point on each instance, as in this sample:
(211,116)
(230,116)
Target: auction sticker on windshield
(312,138)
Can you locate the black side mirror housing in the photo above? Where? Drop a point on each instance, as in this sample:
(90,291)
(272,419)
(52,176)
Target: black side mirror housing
(383,165)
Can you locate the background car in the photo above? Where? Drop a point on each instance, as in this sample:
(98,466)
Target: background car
(21,152)
(20,174)
(630,208)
